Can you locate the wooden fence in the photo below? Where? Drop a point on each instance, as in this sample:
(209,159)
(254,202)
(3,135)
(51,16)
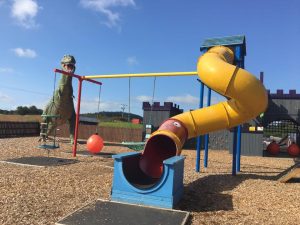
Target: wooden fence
(19,129)
(112,134)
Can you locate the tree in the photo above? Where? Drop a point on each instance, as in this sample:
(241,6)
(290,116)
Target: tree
(33,110)
(24,110)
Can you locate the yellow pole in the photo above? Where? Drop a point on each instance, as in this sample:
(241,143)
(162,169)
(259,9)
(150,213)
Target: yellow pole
(166,74)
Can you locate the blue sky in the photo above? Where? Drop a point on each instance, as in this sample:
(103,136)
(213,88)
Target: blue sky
(134,36)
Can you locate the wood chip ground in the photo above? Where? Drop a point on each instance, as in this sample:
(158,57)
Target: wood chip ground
(34,195)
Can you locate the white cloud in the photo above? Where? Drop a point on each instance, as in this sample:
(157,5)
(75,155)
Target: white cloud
(132,61)
(185,99)
(87,106)
(192,101)
(25,53)
(5,98)
(104,7)
(144,98)
(6,70)
(25,11)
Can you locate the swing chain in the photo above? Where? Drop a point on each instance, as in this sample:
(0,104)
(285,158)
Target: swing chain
(152,101)
(99,99)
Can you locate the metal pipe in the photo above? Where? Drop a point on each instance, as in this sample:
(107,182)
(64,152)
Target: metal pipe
(166,74)
(77,76)
(239,134)
(198,148)
(67,73)
(238,150)
(234,153)
(207,135)
(77,117)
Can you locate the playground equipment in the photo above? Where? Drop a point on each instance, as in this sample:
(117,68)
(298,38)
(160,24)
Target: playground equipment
(273,148)
(285,140)
(80,80)
(49,120)
(138,146)
(94,144)
(44,130)
(131,185)
(290,173)
(60,108)
(293,150)
(242,88)
(137,176)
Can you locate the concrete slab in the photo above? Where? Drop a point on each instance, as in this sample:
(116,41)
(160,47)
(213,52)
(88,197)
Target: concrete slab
(115,213)
(40,161)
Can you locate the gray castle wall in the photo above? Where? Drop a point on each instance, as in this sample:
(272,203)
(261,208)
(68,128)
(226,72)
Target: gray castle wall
(157,114)
(282,106)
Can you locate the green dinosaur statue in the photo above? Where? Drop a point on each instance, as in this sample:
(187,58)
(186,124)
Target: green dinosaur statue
(60,108)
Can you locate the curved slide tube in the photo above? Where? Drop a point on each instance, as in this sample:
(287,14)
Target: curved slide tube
(247,99)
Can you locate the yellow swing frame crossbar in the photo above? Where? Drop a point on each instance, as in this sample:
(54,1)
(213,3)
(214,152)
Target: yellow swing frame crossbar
(165,74)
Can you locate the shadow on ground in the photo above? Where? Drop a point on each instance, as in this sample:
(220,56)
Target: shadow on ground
(207,194)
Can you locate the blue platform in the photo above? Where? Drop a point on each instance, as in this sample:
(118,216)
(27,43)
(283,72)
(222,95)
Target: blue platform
(131,185)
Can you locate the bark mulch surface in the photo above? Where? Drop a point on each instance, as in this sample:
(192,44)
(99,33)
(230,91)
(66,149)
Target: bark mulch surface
(44,195)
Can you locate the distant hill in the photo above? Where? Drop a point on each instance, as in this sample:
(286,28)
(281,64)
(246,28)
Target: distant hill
(107,116)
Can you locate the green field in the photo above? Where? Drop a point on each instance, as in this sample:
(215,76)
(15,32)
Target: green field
(120,124)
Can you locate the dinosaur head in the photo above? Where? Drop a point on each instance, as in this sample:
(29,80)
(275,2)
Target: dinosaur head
(68,63)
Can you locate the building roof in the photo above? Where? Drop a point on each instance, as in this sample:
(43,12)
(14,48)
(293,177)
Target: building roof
(85,119)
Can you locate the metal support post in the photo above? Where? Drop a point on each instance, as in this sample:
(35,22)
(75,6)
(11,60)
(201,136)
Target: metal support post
(198,147)
(207,135)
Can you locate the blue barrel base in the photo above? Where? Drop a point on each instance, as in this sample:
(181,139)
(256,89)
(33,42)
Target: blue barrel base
(131,185)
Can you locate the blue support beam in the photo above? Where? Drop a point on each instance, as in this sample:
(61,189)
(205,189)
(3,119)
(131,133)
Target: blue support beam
(239,61)
(234,155)
(238,148)
(207,135)
(198,147)
(238,44)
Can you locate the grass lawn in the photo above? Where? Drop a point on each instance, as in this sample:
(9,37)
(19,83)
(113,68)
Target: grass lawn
(120,124)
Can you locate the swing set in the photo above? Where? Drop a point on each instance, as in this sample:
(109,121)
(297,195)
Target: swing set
(44,126)
(138,146)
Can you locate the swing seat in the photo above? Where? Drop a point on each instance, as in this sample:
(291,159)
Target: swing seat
(136,146)
(48,147)
(43,133)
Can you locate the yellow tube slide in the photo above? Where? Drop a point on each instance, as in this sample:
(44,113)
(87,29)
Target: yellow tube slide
(247,99)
